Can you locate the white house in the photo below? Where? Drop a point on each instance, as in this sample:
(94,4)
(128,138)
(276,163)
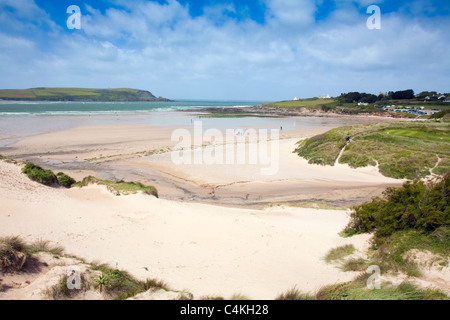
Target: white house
(296,99)
(325,96)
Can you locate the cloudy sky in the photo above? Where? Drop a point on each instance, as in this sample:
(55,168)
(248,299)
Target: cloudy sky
(227,49)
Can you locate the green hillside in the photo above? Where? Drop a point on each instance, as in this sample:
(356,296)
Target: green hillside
(78,94)
(402,149)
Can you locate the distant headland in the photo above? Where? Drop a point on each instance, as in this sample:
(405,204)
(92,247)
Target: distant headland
(78,94)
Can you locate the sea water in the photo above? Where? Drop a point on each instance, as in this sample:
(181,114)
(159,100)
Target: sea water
(19,120)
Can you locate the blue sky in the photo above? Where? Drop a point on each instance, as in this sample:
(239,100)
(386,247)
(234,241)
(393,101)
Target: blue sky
(217,49)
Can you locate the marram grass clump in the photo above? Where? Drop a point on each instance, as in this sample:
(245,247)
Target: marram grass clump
(120,187)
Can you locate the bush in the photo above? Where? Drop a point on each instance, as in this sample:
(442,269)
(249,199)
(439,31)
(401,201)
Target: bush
(36,173)
(64,180)
(415,206)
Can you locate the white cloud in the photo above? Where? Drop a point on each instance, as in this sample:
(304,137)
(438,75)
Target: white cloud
(163,49)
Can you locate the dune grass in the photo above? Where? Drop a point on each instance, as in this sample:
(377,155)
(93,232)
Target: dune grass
(391,255)
(15,252)
(312,204)
(115,284)
(357,290)
(120,285)
(295,294)
(339,253)
(120,187)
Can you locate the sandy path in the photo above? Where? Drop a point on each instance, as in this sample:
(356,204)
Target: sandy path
(205,249)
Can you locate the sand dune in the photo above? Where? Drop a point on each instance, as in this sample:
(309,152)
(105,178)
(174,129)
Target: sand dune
(209,241)
(205,249)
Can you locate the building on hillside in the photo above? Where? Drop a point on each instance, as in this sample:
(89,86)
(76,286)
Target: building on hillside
(325,96)
(296,99)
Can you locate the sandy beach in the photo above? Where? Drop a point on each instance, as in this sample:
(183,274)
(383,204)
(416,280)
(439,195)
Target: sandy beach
(134,151)
(215,230)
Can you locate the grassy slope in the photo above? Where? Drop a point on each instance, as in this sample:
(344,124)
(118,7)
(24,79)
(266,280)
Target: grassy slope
(302,103)
(402,150)
(74,94)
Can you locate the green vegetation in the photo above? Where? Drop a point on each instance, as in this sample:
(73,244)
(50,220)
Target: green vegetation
(47,177)
(15,253)
(78,94)
(44,246)
(339,253)
(313,204)
(326,105)
(36,173)
(61,291)
(402,149)
(416,206)
(294,294)
(64,180)
(394,254)
(113,283)
(441,115)
(353,103)
(120,285)
(119,187)
(413,217)
(355,264)
(312,103)
(407,222)
(357,290)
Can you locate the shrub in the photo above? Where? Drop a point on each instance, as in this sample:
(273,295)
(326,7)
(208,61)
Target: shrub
(415,206)
(36,173)
(64,180)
